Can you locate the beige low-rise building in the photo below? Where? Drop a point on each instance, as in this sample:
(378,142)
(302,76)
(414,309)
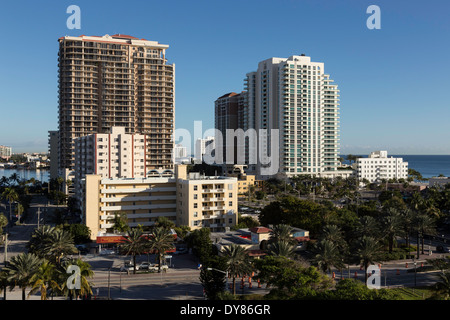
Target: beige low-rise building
(186,199)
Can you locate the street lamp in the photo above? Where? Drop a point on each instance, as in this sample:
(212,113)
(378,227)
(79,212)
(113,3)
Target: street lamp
(224,272)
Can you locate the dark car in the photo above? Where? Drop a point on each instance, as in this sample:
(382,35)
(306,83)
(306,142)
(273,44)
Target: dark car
(442,249)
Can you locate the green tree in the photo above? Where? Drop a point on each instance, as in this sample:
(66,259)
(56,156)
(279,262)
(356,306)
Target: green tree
(391,226)
(290,279)
(366,252)
(58,244)
(44,279)
(327,255)
(238,262)
(3,223)
(120,222)
(10,194)
(161,240)
(214,280)
(39,239)
(281,248)
(21,269)
(200,242)
(134,244)
(85,274)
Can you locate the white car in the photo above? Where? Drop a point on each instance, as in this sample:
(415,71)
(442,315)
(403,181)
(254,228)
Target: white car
(154,267)
(128,267)
(144,266)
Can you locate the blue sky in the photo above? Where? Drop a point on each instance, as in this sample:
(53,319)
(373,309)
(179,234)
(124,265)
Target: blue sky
(393,81)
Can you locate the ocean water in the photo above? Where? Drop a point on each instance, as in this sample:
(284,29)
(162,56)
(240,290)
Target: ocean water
(428,165)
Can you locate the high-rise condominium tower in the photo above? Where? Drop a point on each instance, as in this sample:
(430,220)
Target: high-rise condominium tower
(294,96)
(116,81)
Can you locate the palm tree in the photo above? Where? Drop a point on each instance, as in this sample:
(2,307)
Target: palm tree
(43,279)
(368,226)
(327,255)
(39,238)
(10,194)
(59,243)
(238,262)
(85,274)
(14,178)
(367,251)
(4,283)
(281,232)
(442,287)
(422,224)
(21,269)
(160,241)
(281,248)
(134,244)
(391,226)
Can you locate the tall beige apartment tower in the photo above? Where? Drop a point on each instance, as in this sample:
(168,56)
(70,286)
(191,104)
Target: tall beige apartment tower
(116,81)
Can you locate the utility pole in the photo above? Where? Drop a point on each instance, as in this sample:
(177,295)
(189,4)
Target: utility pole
(6,248)
(39,216)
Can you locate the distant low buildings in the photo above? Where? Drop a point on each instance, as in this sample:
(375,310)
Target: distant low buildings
(438,182)
(379,167)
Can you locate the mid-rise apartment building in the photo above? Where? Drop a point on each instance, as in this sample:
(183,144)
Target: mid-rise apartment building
(115,81)
(110,155)
(191,199)
(378,166)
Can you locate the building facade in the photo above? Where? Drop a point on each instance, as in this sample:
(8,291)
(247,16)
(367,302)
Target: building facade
(120,81)
(378,166)
(295,98)
(185,199)
(5,152)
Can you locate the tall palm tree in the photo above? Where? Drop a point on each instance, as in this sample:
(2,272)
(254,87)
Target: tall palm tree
(423,224)
(14,178)
(86,273)
(391,226)
(368,226)
(238,262)
(21,269)
(39,238)
(134,244)
(44,279)
(367,251)
(442,287)
(281,232)
(10,194)
(281,248)
(327,255)
(4,283)
(60,243)
(160,241)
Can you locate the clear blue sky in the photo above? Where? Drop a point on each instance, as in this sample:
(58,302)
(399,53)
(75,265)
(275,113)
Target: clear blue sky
(394,81)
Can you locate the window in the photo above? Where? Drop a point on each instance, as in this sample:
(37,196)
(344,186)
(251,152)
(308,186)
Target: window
(195,214)
(195,205)
(195,197)
(195,188)
(230,203)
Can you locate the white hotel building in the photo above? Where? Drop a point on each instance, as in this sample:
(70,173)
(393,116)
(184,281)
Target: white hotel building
(378,167)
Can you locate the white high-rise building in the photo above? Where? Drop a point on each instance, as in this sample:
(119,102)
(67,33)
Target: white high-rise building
(295,96)
(378,167)
(200,147)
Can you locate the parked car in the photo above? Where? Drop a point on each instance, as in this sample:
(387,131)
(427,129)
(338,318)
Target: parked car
(154,267)
(144,266)
(442,249)
(128,267)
